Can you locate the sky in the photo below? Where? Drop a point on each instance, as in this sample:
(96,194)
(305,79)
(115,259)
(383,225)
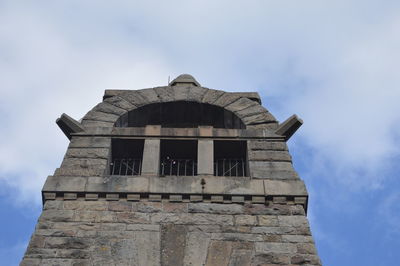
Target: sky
(333,63)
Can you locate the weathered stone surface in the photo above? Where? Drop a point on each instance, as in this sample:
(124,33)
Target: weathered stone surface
(90,153)
(215,208)
(266,248)
(150,95)
(211,96)
(240,104)
(217,253)
(286,187)
(245,220)
(101,116)
(135,98)
(173,242)
(276,156)
(240,257)
(165,94)
(196,94)
(272,170)
(267,145)
(196,248)
(258,118)
(96,124)
(89,142)
(120,103)
(109,108)
(226,99)
(181,92)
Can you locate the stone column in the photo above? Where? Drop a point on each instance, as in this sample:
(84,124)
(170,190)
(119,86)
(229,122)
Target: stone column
(151,151)
(205,157)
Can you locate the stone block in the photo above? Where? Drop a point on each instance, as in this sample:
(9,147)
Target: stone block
(112,196)
(272,170)
(135,98)
(245,220)
(151,157)
(150,95)
(154,197)
(165,94)
(267,145)
(205,157)
(133,197)
(233,185)
(215,208)
(101,116)
(120,103)
(237,199)
(196,248)
(90,153)
(279,248)
(262,155)
(285,187)
(240,257)
(196,94)
(109,108)
(173,242)
(211,96)
(70,196)
(267,220)
(265,117)
(175,198)
(217,251)
(240,104)
(226,99)
(293,221)
(91,196)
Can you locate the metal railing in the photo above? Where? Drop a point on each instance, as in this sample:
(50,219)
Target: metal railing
(230,167)
(178,167)
(126,166)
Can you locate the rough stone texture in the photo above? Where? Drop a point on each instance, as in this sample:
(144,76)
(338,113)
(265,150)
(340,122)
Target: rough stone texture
(160,233)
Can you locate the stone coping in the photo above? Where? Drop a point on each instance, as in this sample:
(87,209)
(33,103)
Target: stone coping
(184,198)
(176,185)
(180,132)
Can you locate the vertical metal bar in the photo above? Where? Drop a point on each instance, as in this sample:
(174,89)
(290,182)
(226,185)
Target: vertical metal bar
(120,166)
(126,165)
(170,168)
(192,167)
(133,166)
(177,171)
(162,167)
(223,167)
(113,169)
(242,168)
(140,167)
(185,167)
(237,166)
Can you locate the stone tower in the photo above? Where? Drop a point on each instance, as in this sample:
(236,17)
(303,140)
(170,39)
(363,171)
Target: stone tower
(175,175)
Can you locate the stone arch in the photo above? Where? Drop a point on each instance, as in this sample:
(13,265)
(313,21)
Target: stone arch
(250,112)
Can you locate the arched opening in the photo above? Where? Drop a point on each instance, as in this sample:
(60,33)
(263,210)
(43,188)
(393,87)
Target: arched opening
(180,114)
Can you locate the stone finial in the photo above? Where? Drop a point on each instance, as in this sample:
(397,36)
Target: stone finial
(184,79)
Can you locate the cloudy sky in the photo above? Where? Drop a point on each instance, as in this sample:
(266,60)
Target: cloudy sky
(335,64)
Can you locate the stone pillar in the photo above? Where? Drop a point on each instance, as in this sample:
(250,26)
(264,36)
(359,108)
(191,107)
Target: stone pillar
(151,151)
(205,157)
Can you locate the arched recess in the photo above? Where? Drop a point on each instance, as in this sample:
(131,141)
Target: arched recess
(180,114)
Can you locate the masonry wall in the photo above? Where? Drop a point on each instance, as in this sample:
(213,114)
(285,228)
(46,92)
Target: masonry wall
(80,232)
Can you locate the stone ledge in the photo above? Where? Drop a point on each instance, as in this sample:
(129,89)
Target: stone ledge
(177,198)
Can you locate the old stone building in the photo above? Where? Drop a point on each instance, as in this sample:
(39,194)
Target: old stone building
(175,175)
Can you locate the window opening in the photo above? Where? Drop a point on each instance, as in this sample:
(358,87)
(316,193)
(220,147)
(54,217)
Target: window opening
(126,158)
(178,158)
(180,114)
(230,158)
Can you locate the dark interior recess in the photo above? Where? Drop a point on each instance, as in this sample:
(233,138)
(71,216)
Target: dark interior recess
(178,157)
(127,155)
(230,158)
(180,114)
